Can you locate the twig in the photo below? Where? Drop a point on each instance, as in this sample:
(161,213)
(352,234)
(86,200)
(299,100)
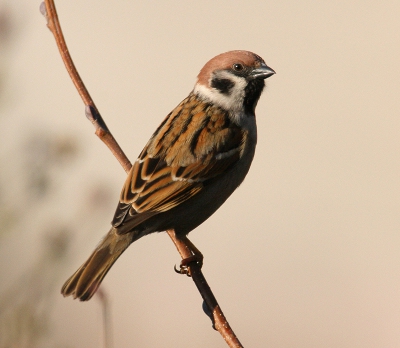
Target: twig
(48,9)
(214,311)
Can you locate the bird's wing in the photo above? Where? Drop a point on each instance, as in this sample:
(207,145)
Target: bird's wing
(189,148)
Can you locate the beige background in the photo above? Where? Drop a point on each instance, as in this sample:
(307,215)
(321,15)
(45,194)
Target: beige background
(305,254)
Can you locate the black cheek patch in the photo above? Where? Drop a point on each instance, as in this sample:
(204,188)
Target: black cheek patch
(223,85)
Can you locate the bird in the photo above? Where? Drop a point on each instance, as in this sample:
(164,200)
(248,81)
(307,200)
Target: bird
(194,161)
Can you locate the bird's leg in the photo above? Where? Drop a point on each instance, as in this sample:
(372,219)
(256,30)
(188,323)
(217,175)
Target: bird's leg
(188,252)
(196,257)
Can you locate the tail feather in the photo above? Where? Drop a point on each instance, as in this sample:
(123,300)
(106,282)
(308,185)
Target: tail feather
(86,280)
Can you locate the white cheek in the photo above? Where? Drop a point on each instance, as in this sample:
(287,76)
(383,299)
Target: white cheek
(232,102)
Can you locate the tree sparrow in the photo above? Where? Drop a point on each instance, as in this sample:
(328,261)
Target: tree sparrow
(193,162)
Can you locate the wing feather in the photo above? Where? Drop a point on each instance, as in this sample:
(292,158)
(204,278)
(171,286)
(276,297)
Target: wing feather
(196,143)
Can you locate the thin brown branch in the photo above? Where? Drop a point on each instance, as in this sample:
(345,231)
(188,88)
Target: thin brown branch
(215,312)
(101,129)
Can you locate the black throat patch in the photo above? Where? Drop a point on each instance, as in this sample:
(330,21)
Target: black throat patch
(253,91)
(223,85)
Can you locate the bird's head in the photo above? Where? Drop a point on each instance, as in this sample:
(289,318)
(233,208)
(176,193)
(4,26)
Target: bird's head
(233,81)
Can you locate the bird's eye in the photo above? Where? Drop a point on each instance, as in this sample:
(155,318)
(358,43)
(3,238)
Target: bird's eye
(238,67)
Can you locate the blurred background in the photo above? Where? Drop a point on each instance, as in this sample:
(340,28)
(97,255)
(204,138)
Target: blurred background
(305,254)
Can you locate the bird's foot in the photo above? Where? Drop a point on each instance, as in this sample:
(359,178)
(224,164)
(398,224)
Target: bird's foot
(184,267)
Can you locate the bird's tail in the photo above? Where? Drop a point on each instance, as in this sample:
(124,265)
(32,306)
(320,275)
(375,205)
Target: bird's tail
(86,280)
